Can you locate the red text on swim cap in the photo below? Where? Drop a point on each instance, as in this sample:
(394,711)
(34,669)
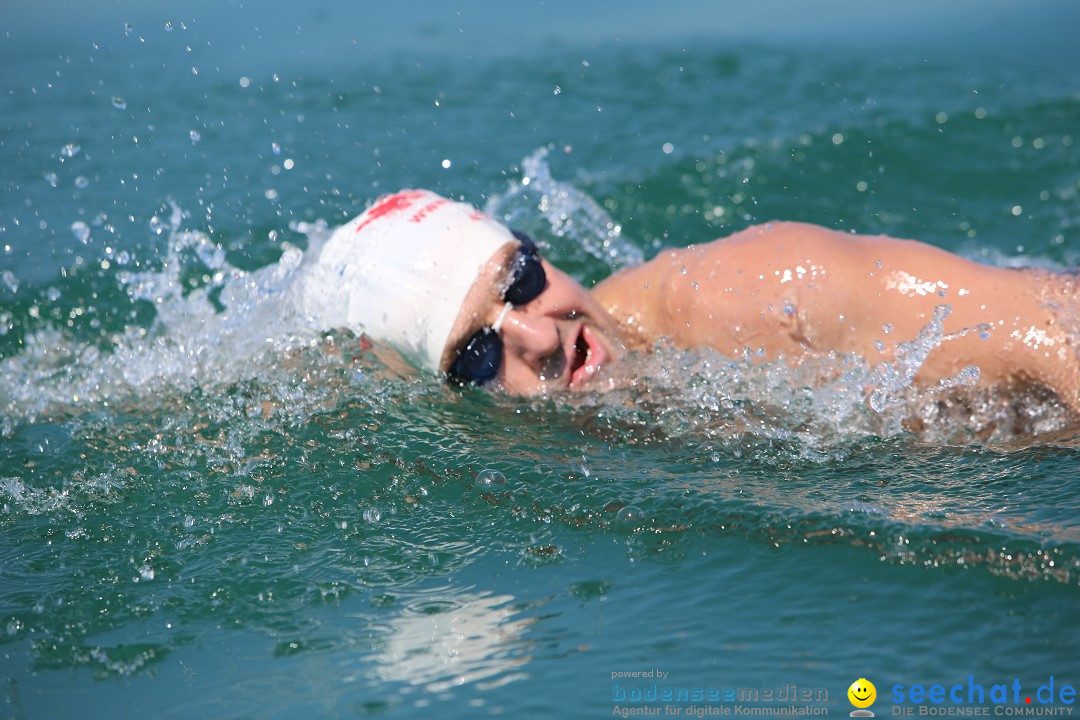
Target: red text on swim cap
(390,204)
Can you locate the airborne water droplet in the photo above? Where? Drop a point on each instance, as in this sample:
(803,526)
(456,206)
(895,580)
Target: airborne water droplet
(195,136)
(81,231)
(118,102)
(81,182)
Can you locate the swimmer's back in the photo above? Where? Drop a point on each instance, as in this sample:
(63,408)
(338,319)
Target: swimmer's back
(791,288)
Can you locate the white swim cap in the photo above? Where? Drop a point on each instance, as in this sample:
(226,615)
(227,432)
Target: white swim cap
(399,272)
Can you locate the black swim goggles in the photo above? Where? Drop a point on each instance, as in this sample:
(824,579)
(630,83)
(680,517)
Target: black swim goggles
(477,360)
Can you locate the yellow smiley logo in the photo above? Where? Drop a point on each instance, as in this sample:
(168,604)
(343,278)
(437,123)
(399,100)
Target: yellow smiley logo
(862,693)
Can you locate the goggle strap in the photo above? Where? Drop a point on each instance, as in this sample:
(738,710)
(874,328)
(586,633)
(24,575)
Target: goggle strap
(497,325)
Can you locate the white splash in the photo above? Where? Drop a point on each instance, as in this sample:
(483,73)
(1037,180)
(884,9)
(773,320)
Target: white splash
(579,225)
(212,334)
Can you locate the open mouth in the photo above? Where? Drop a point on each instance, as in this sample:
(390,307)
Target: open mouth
(587,357)
(581,354)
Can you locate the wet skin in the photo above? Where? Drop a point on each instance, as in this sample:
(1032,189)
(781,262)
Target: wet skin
(561,340)
(786,290)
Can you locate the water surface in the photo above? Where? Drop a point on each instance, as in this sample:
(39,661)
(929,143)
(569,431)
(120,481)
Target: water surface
(208,508)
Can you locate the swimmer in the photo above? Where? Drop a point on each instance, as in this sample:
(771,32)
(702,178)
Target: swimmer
(457,293)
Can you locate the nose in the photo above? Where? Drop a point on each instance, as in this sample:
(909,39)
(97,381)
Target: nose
(530,335)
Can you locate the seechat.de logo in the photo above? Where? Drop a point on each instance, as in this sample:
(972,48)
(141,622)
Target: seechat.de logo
(862,694)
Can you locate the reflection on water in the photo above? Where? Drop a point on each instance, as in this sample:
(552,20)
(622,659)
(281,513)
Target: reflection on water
(456,639)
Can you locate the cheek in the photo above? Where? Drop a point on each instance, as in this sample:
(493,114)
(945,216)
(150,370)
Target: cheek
(516,378)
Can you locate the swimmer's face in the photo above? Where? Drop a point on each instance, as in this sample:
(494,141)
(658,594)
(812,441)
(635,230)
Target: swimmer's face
(559,340)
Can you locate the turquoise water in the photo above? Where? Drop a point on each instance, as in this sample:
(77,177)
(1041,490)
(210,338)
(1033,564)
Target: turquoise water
(209,509)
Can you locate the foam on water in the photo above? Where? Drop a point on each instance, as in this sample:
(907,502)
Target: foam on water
(223,330)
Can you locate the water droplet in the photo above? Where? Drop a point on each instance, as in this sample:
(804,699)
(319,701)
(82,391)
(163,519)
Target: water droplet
(70,150)
(487,478)
(168,26)
(50,177)
(630,515)
(146,572)
(189,521)
(446,164)
(118,102)
(879,345)
(886,328)
(81,182)
(195,136)
(245,81)
(668,148)
(372,515)
(194,71)
(557,90)
(81,231)
(157,225)
(10,281)
(128,28)
(275,148)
